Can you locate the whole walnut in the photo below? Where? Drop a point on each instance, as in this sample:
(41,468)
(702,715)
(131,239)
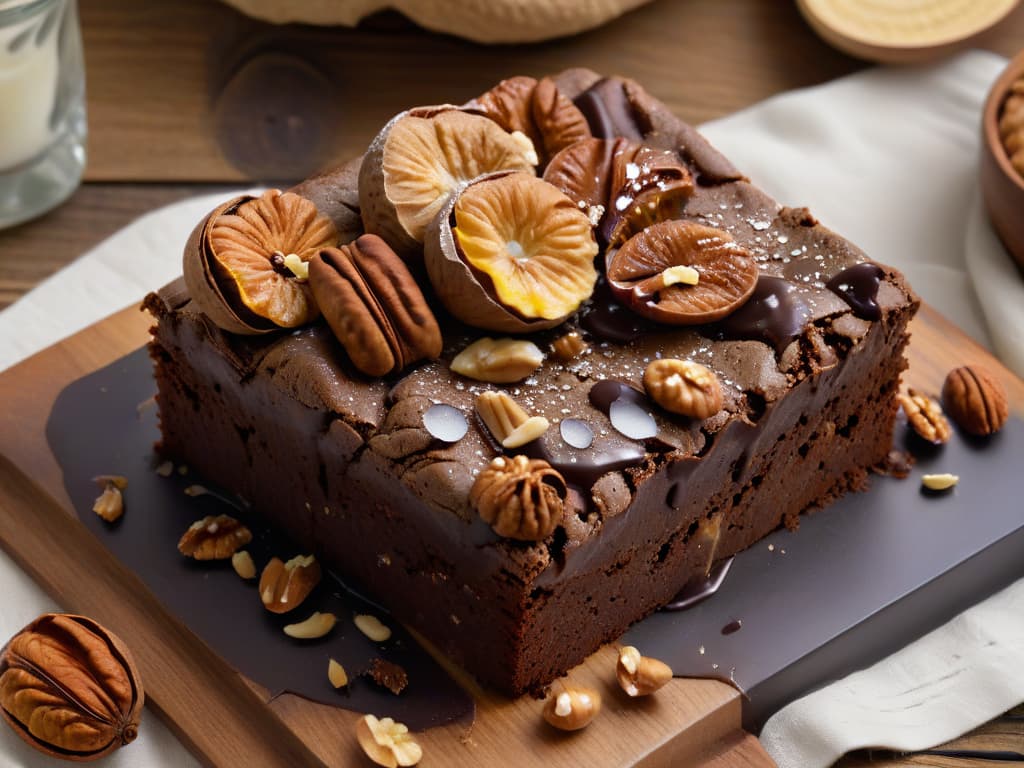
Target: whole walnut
(521,498)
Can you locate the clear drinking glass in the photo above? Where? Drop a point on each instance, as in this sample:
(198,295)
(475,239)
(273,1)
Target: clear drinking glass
(42,106)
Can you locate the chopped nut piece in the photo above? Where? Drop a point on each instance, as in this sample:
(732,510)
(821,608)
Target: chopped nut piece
(939,482)
(372,627)
(925,417)
(975,400)
(680,274)
(297,266)
(683,387)
(640,675)
(243,564)
(569,347)
(337,674)
(387,743)
(214,538)
(317,625)
(109,505)
(388,675)
(572,709)
(498,361)
(521,498)
(165,469)
(510,425)
(284,586)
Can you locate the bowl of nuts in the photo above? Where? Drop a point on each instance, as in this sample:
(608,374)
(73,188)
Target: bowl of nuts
(1002,157)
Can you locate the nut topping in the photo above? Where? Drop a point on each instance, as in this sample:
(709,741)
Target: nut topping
(420,159)
(284,586)
(388,675)
(925,417)
(569,347)
(214,538)
(374,307)
(317,625)
(236,262)
(387,743)
(683,387)
(521,498)
(69,688)
(537,109)
(372,627)
(511,253)
(640,675)
(499,361)
(641,275)
(244,566)
(975,400)
(109,505)
(336,674)
(506,420)
(572,709)
(941,482)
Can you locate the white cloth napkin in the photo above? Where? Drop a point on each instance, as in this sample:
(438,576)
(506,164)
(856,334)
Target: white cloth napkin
(887,157)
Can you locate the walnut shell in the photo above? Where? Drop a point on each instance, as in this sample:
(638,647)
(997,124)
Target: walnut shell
(234,262)
(511,253)
(420,158)
(70,688)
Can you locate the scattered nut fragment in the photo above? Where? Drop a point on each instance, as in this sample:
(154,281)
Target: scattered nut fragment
(388,675)
(941,482)
(499,361)
(372,627)
(683,387)
(640,675)
(521,498)
(387,743)
(511,253)
(925,417)
(214,538)
(284,586)
(510,425)
(69,688)
(244,566)
(337,674)
(569,347)
(317,625)
(975,400)
(572,709)
(109,505)
(165,468)
(641,275)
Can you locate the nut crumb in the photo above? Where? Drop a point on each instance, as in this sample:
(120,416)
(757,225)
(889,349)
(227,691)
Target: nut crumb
(337,674)
(372,627)
(244,566)
(941,482)
(388,675)
(317,625)
(165,468)
(109,505)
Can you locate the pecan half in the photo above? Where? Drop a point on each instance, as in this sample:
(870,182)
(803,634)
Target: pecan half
(521,498)
(975,400)
(214,538)
(372,304)
(925,417)
(69,688)
(284,586)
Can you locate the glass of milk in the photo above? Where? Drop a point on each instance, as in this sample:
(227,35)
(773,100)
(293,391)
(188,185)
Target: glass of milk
(42,106)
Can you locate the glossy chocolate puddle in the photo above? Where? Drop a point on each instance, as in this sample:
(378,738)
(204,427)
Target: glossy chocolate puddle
(874,572)
(106,424)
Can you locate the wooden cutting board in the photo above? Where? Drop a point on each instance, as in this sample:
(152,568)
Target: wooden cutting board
(227,720)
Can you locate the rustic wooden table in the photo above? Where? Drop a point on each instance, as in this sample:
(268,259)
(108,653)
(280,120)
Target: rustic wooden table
(190,96)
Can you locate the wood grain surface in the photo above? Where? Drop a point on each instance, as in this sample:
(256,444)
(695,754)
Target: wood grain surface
(688,722)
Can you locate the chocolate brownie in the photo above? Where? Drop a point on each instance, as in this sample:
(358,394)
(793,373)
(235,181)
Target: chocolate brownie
(359,469)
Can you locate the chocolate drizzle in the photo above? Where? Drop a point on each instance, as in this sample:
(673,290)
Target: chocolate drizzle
(609,111)
(858,287)
(701,589)
(583,468)
(605,392)
(774,314)
(607,320)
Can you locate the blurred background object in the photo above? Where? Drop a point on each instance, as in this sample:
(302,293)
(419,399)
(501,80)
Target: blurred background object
(484,21)
(1002,157)
(42,106)
(903,31)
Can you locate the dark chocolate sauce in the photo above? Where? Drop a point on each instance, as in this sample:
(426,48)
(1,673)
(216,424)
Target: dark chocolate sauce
(605,392)
(608,111)
(732,626)
(209,598)
(858,287)
(607,320)
(583,468)
(701,589)
(774,314)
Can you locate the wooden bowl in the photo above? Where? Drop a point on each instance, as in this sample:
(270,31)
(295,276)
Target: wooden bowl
(1001,184)
(902,31)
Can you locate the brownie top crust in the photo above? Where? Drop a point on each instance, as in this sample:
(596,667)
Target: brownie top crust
(816,297)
